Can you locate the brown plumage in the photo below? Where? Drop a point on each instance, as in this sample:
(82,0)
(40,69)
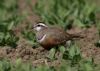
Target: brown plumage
(51,36)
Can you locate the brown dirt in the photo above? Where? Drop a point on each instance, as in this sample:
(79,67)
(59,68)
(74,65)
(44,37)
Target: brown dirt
(38,56)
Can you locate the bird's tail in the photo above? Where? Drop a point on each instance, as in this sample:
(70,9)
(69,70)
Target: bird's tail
(75,36)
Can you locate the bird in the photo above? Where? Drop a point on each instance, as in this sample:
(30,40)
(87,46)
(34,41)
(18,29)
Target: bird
(49,36)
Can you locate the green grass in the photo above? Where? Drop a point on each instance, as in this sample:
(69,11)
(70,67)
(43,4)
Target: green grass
(8,19)
(29,35)
(66,12)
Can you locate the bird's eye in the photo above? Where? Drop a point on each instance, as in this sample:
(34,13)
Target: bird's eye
(38,25)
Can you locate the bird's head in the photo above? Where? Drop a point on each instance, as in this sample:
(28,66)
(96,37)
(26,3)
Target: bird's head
(39,26)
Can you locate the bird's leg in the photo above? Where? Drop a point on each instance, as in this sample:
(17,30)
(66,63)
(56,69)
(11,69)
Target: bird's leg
(68,43)
(61,49)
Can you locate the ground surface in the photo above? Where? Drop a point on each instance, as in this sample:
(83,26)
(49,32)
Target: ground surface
(39,55)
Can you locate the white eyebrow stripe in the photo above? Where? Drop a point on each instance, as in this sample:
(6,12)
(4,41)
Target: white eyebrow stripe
(42,39)
(43,24)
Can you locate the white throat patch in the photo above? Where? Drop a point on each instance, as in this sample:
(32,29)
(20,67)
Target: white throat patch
(38,28)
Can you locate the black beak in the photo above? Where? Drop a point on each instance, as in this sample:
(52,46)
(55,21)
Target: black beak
(33,27)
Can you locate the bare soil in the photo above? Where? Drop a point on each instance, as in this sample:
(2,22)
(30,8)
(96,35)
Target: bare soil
(39,55)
